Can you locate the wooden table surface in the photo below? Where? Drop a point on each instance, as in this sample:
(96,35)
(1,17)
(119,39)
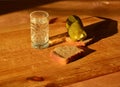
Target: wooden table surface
(19,62)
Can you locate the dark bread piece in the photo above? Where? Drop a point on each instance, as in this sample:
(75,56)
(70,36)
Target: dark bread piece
(66,54)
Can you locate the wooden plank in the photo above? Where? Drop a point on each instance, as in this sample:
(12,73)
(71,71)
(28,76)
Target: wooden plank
(111,80)
(18,60)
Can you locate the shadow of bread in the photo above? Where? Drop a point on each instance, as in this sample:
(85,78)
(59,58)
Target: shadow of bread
(86,52)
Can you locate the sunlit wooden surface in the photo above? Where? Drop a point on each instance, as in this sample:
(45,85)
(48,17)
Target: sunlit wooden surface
(18,61)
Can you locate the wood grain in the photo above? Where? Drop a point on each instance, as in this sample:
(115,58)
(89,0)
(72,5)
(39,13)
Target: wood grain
(18,61)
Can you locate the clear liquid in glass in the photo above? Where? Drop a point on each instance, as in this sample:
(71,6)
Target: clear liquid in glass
(40,32)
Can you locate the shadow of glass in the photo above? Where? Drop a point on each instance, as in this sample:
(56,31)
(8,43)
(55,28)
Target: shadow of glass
(102,29)
(57,39)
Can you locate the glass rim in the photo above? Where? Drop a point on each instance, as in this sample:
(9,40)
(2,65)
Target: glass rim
(39,11)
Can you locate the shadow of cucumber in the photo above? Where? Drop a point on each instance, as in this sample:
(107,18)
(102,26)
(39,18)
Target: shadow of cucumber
(101,30)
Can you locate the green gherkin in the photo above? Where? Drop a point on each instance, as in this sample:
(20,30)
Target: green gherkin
(75,28)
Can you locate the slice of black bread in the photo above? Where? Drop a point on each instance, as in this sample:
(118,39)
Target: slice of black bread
(66,54)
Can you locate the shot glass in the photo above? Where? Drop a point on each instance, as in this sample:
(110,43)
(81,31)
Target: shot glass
(39,25)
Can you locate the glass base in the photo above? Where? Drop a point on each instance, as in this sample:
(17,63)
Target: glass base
(38,46)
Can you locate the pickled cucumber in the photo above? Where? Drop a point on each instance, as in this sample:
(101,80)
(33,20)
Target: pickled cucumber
(75,28)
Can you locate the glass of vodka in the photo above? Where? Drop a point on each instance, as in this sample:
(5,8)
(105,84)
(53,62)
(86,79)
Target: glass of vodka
(39,25)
